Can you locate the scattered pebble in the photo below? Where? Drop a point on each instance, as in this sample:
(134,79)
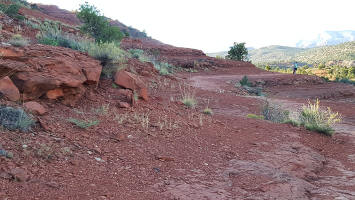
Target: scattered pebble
(99,159)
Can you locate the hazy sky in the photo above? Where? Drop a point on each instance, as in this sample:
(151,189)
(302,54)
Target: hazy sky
(213,25)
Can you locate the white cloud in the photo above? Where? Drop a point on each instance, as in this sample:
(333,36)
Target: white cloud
(215,25)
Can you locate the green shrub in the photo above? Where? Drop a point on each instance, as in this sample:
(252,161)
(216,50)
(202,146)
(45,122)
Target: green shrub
(208,111)
(18,41)
(15,118)
(136,53)
(275,113)
(84,124)
(106,52)
(245,81)
(51,34)
(189,101)
(12,10)
(140,55)
(164,68)
(292,122)
(97,25)
(253,116)
(188,96)
(316,119)
(238,52)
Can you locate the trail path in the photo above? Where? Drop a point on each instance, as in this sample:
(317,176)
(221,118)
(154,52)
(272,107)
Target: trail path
(286,164)
(290,99)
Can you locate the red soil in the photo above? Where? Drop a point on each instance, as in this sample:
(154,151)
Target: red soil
(160,149)
(181,154)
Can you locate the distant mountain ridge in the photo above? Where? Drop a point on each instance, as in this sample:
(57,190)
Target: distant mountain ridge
(342,53)
(328,38)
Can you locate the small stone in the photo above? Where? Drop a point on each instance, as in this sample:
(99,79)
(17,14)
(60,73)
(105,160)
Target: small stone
(19,174)
(35,108)
(9,155)
(24,146)
(3,152)
(74,162)
(99,159)
(53,184)
(123,105)
(5,175)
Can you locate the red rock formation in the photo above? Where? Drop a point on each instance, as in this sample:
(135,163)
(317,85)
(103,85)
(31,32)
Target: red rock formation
(40,70)
(131,81)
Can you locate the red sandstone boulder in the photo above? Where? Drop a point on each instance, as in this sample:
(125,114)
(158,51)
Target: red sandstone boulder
(41,70)
(35,108)
(131,81)
(8,89)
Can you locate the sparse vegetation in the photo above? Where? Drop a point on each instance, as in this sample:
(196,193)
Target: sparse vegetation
(84,124)
(102,110)
(254,116)
(120,118)
(51,34)
(316,119)
(15,119)
(164,68)
(18,41)
(106,52)
(245,81)
(207,111)
(45,152)
(12,10)
(140,55)
(110,54)
(275,113)
(143,119)
(188,96)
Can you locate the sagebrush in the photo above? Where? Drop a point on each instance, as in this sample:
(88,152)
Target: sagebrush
(314,118)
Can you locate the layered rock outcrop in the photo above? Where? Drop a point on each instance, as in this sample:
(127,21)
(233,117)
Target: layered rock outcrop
(51,72)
